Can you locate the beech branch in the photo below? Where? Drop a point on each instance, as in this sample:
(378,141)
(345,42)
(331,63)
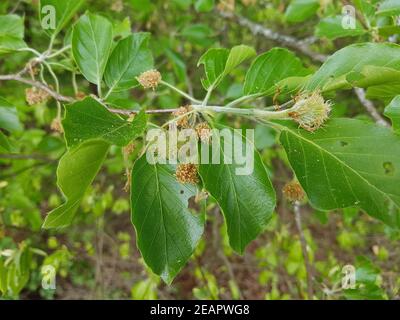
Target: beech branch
(370,107)
(150,111)
(37,84)
(302,46)
(61,98)
(288,41)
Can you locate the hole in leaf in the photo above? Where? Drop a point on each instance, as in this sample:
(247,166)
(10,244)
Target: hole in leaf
(389,168)
(182,192)
(344,143)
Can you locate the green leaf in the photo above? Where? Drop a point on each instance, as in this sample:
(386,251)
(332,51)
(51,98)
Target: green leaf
(167,232)
(75,173)
(4,143)
(387,31)
(389,8)
(204,5)
(198,34)
(384,92)
(183,4)
(11,33)
(91,45)
(88,119)
(367,282)
(142,6)
(122,29)
(237,55)
(247,201)
(353,59)
(63,10)
(301,10)
(271,67)
(129,59)
(9,117)
(332,28)
(178,65)
(214,61)
(372,76)
(3,277)
(219,62)
(145,289)
(348,163)
(392,111)
(367,8)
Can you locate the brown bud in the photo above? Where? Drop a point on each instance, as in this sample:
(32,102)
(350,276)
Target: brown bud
(182,118)
(293,191)
(56,125)
(187,173)
(150,79)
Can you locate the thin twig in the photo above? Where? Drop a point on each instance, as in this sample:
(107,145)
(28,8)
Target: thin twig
(297,216)
(151,111)
(288,41)
(184,94)
(37,84)
(99,276)
(370,107)
(15,8)
(62,98)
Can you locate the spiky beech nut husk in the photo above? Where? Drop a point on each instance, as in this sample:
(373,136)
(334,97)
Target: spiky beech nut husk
(204,132)
(311,111)
(181,115)
(150,79)
(187,173)
(36,96)
(56,125)
(293,191)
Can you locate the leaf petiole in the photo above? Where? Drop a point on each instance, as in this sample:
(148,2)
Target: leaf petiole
(184,94)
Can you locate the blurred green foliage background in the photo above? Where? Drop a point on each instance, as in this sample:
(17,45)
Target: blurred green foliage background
(97,257)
